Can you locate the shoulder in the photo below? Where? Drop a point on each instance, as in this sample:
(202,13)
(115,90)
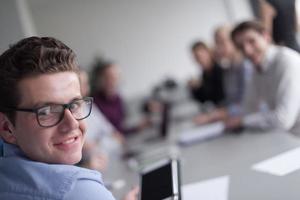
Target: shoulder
(21,177)
(89,188)
(286,65)
(288,58)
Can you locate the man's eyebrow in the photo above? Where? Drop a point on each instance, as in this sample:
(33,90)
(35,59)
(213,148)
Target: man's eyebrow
(76,98)
(42,104)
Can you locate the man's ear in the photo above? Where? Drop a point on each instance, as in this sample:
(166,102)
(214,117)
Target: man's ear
(6,129)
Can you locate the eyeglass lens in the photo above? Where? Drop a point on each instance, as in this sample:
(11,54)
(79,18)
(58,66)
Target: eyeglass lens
(53,114)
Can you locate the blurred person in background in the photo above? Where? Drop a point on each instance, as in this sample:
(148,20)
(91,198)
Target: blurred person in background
(272,99)
(209,86)
(102,138)
(234,77)
(105,90)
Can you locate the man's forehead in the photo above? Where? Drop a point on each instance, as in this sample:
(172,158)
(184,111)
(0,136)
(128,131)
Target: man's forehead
(57,88)
(250,33)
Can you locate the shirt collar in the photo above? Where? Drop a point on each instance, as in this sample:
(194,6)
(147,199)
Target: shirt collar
(10,150)
(268,58)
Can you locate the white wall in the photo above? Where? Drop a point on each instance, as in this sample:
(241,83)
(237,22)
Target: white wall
(25,18)
(149,39)
(11,28)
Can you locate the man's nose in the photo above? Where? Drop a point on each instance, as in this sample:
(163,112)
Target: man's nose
(69,122)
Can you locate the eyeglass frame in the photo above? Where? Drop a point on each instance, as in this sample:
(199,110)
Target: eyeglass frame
(65,106)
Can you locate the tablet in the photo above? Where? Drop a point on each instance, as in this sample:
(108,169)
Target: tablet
(161,181)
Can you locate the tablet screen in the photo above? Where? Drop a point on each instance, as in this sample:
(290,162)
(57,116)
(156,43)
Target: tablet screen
(157,184)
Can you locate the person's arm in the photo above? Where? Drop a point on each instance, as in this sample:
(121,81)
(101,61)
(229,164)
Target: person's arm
(297,15)
(132,194)
(219,114)
(267,13)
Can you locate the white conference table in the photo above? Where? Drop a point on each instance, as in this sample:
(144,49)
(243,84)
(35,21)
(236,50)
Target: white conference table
(229,154)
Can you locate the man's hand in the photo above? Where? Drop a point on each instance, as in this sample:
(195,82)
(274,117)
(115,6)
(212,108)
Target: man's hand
(132,194)
(233,124)
(202,119)
(219,114)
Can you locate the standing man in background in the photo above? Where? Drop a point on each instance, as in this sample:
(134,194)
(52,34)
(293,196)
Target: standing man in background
(280,18)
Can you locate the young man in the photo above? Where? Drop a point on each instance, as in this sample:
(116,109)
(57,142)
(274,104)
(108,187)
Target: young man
(43,129)
(273,96)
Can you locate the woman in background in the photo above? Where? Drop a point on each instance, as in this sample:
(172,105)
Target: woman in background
(209,87)
(102,138)
(105,82)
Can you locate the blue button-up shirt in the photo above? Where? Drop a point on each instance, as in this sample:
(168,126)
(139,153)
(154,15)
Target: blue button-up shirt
(21,178)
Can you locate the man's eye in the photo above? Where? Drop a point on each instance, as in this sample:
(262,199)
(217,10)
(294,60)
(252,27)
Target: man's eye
(44,111)
(75,105)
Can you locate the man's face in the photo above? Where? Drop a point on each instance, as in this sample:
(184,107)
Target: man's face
(224,47)
(60,144)
(253,45)
(84,83)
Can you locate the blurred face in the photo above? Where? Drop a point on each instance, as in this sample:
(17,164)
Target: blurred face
(224,45)
(62,143)
(203,57)
(110,80)
(84,83)
(253,45)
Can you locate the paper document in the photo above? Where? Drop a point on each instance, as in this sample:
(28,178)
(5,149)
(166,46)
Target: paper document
(281,164)
(213,189)
(202,133)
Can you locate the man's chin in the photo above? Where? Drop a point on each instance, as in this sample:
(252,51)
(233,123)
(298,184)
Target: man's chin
(70,159)
(74,160)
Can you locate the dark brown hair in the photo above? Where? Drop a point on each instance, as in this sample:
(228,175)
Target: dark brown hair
(245,26)
(199,44)
(30,57)
(99,68)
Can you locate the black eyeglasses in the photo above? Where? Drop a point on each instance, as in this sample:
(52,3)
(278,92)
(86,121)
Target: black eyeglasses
(50,115)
